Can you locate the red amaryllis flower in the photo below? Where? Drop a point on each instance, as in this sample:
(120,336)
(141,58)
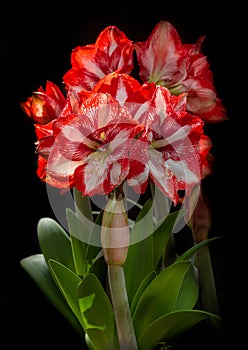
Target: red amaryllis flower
(112,51)
(127,91)
(91,149)
(165,60)
(44,105)
(123,87)
(168,152)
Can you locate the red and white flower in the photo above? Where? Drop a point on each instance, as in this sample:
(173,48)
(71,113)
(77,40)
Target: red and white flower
(167,153)
(112,51)
(93,147)
(165,60)
(111,127)
(44,105)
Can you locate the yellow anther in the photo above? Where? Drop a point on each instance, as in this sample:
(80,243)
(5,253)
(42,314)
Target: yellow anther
(103,136)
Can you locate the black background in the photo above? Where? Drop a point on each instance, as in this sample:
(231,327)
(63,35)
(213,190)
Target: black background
(36,43)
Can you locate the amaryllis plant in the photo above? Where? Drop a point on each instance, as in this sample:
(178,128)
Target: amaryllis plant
(130,150)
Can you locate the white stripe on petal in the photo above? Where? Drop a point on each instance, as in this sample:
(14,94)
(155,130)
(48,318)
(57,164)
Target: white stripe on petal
(120,138)
(61,166)
(139,179)
(181,171)
(140,112)
(121,93)
(180,134)
(72,133)
(104,114)
(95,175)
(115,173)
(92,67)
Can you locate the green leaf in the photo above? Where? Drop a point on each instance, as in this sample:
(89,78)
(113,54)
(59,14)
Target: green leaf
(144,284)
(82,204)
(139,261)
(81,232)
(209,299)
(99,268)
(97,314)
(67,282)
(174,288)
(89,342)
(161,203)
(143,226)
(55,242)
(38,270)
(78,245)
(188,294)
(191,251)
(80,225)
(162,234)
(95,245)
(171,326)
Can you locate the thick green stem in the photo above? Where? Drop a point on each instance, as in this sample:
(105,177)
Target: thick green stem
(124,325)
(207,281)
(208,294)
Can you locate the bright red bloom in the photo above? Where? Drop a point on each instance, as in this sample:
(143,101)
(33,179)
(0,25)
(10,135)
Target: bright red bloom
(112,51)
(168,152)
(111,128)
(182,68)
(123,87)
(44,105)
(91,149)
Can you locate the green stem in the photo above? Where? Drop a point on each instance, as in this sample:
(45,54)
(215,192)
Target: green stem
(206,280)
(82,204)
(208,294)
(124,325)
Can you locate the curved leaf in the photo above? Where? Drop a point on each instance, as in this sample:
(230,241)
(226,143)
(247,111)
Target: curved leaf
(78,245)
(162,234)
(82,204)
(54,242)
(36,267)
(174,288)
(82,232)
(97,314)
(139,261)
(144,284)
(191,251)
(67,282)
(171,326)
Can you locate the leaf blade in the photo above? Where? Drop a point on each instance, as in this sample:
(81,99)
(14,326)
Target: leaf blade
(97,313)
(55,242)
(171,326)
(36,267)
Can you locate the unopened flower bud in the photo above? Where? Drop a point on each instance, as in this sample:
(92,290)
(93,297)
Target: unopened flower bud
(115,234)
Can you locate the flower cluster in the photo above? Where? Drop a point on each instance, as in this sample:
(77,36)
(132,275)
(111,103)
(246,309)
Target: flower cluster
(133,114)
(109,126)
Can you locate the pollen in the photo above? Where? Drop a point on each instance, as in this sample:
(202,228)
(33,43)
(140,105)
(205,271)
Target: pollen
(103,136)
